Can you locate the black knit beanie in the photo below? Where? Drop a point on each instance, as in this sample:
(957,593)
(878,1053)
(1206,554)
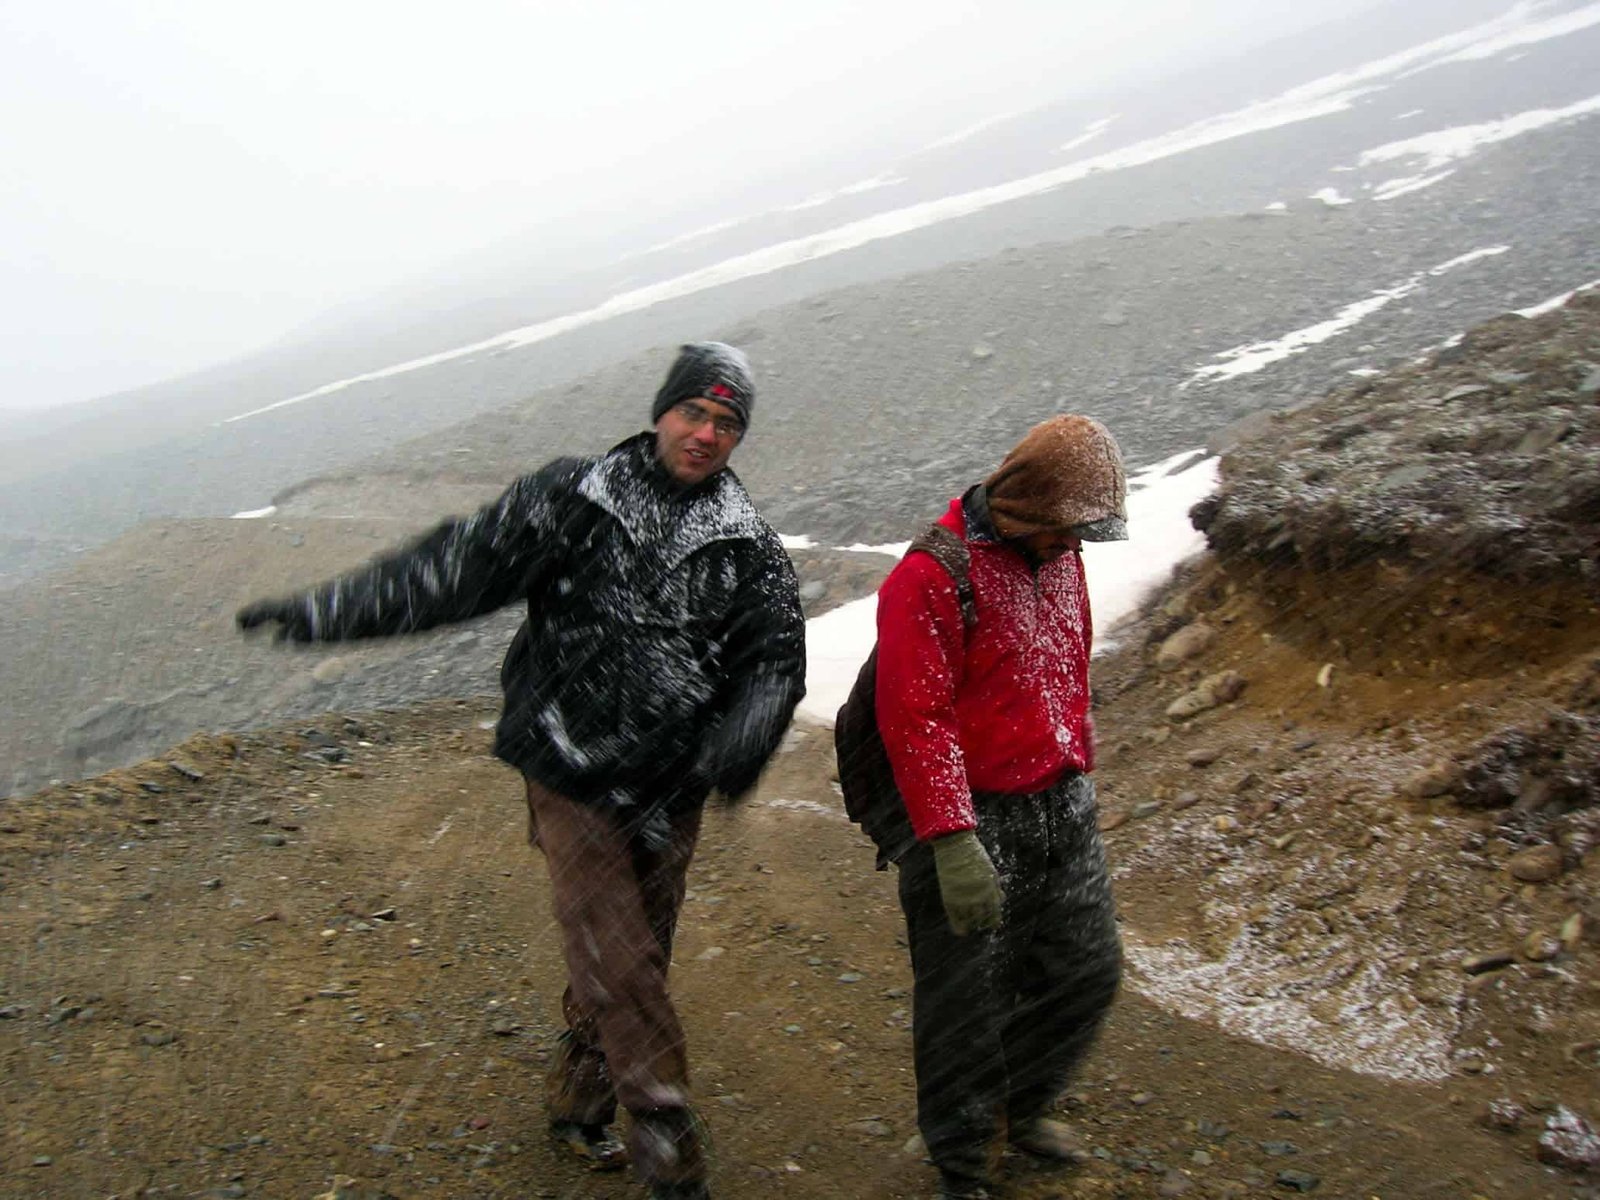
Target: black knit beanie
(709,371)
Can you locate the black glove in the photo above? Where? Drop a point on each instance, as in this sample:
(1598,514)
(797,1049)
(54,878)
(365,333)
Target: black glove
(721,773)
(738,746)
(289,614)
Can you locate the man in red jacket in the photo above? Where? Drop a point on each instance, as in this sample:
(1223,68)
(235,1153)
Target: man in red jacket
(1008,907)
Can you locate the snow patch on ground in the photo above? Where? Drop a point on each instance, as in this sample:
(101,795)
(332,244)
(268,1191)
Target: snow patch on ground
(1337,997)
(1555,302)
(1091,131)
(1442,147)
(1252,357)
(1375,1036)
(805,806)
(895,549)
(851,189)
(967,132)
(1514,31)
(1404,186)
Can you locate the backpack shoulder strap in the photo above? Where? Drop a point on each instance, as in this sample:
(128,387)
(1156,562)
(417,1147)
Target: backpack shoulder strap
(951,553)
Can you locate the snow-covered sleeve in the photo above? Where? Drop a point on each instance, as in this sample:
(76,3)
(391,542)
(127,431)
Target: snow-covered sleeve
(921,642)
(462,569)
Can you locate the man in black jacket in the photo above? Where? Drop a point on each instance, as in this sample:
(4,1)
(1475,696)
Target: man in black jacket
(661,659)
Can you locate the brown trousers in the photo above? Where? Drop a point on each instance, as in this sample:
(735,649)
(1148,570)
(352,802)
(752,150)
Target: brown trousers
(617,904)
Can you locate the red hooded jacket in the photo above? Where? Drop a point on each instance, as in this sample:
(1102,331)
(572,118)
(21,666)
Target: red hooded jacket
(1002,708)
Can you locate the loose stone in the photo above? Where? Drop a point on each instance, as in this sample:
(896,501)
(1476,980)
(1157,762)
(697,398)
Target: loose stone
(1540,864)
(1569,1141)
(1297,1181)
(1189,642)
(875,1127)
(1540,947)
(1504,1114)
(1572,932)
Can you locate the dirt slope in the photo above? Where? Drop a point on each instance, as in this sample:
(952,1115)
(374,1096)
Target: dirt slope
(292,969)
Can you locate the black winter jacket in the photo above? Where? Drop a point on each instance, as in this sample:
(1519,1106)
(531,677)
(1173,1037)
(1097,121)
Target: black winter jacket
(664,650)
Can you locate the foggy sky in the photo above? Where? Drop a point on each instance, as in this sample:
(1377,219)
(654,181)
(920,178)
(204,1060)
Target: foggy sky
(185,181)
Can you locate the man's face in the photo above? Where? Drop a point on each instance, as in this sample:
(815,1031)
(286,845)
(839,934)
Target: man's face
(1049,545)
(695,437)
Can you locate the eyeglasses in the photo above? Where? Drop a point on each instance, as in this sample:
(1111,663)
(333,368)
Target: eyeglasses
(695,415)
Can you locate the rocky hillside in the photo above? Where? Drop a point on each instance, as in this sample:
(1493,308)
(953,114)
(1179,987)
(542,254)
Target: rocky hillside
(1361,737)
(1485,459)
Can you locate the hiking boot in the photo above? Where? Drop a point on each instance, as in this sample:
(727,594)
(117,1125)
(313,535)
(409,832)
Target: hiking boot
(597,1146)
(963,1187)
(680,1191)
(1050,1140)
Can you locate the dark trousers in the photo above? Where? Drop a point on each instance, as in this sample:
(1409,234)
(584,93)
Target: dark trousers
(617,904)
(1001,1018)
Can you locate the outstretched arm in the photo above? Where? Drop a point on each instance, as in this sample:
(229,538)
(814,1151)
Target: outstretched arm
(461,569)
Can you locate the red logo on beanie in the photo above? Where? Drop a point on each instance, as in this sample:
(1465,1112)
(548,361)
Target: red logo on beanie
(720,390)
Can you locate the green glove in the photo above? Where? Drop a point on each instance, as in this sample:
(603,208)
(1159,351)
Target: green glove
(968,882)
